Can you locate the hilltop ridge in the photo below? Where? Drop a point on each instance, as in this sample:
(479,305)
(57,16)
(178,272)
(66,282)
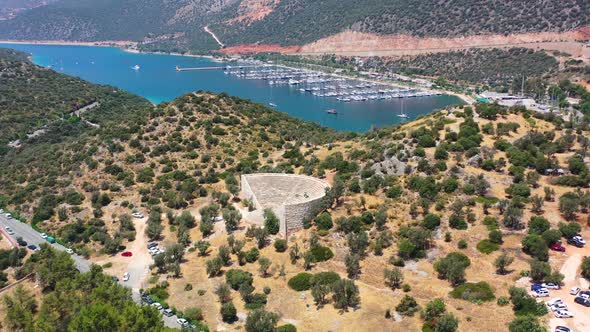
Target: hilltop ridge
(178,25)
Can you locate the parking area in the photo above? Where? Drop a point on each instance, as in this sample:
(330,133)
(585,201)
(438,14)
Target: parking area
(138,266)
(32,237)
(570,269)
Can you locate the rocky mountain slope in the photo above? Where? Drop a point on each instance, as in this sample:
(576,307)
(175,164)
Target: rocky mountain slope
(178,24)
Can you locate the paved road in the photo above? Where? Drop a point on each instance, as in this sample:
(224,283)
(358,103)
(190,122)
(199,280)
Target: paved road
(31,236)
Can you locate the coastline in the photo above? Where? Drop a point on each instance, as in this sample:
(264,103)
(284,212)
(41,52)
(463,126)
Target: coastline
(131,47)
(104,43)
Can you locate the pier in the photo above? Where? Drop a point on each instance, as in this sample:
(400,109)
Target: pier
(214,68)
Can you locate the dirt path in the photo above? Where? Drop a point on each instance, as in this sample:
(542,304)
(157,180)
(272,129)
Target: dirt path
(206,28)
(137,265)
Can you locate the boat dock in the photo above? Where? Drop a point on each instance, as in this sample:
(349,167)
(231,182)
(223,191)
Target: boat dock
(214,68)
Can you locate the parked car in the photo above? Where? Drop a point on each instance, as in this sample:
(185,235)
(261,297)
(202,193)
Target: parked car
(579,238)
(536,287)
(558,307)
(70,251)
(553,301)
(563,314)
(126,276)
(127,254)
(32,247)
(168,312)
(43,235)
(541,293)
(157,305)
(557,247)
(9,230)
(137,215)
(8,215)
(21,242)
(115,279)
(583,301)
(152,245)
(563,329)
(575,290)
(147,299)
(575,243)
(182,321)
(550,285)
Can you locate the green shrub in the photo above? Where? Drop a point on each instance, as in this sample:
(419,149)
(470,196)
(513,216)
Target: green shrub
(301,281)
(407,306)
(457,222)
(321,253)
(502,301)
(280,245)
(487,247)
(431,221)
(462,244)
(491,223)
(324,221)
(324,278)
(255,301)
(252,255)
(474,292)
(235,278)
(286,328)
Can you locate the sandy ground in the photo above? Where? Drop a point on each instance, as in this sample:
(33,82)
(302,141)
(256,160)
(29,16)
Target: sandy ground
(137,265)
(570,269)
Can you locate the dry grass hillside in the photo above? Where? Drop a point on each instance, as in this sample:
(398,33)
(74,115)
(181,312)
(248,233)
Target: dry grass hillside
(464,180)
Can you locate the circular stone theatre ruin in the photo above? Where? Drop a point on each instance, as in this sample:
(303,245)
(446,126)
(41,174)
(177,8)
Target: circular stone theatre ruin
(291,197)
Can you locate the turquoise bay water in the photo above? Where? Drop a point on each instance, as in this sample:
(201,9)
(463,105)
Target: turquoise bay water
(158,81)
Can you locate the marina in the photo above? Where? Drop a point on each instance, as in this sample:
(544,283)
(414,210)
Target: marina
(324,85)
(358,105)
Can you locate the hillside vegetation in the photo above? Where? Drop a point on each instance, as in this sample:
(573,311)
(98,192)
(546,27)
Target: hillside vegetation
(493,67)
(441,237)
(32,97)
(178,25)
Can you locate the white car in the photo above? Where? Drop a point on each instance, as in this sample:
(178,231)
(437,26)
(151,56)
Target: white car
(563,329)
(126,276)
(579,239)
(70,251)
(157,305)
(137,215)
(218,219)
(550,285)
(558,307)
(541,293)
(182,321)
(553,301)
(9,230)
(8,215)
(43,235)
(575,290)
(563,314)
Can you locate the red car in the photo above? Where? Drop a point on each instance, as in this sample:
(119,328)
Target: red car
(127,254)
(557,247)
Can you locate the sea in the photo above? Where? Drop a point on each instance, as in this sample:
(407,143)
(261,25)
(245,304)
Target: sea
(158,81)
